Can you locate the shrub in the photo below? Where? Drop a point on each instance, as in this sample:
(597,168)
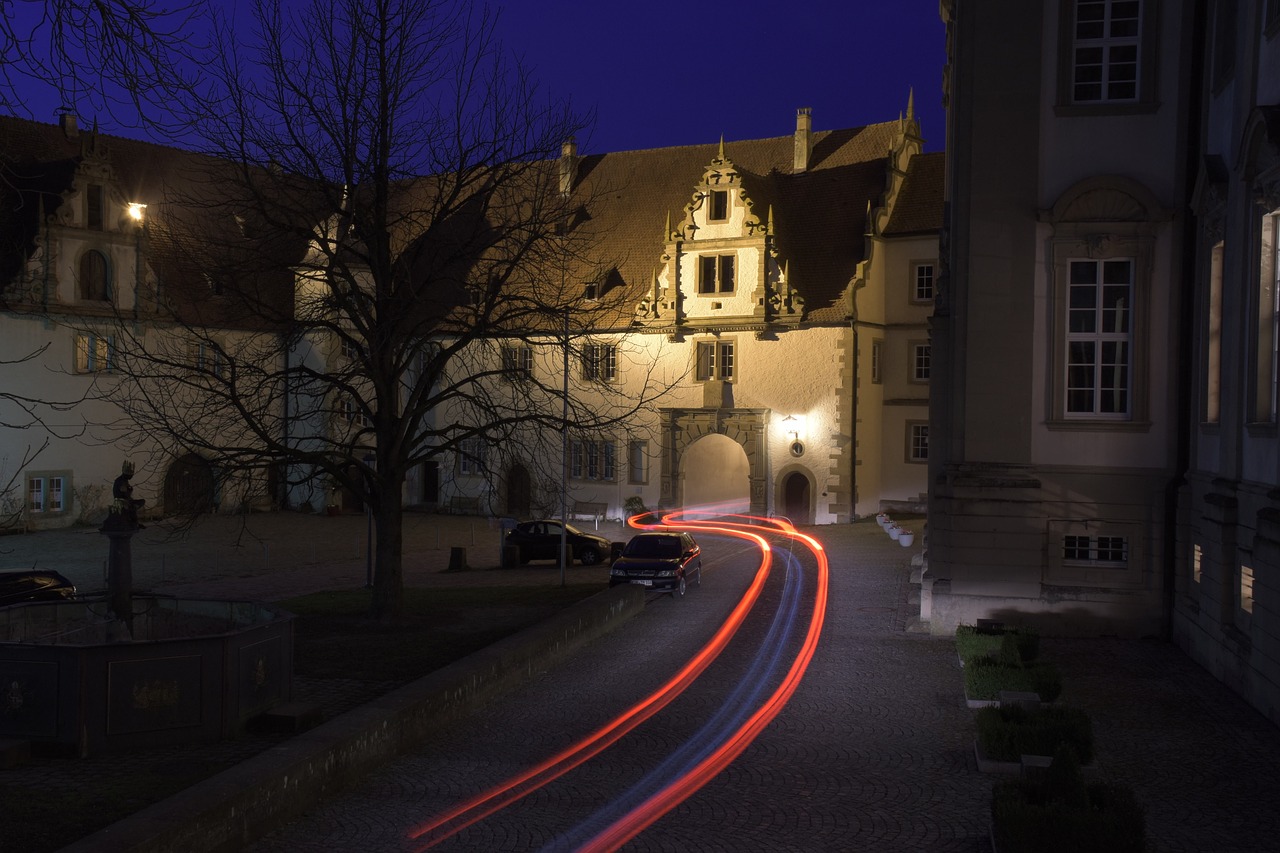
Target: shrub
(985,677)
(1059,813)
(633,506)
(973,642)
(1007,733)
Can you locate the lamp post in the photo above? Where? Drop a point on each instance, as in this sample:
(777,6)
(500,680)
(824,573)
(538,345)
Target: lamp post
(564,455)
(370,461)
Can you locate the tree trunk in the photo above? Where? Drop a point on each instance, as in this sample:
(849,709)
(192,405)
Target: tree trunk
(388,563)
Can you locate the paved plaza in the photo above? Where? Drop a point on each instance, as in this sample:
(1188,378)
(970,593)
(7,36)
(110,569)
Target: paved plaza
(886,703)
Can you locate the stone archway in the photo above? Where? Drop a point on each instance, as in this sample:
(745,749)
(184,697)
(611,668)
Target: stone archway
(682,428)
(715,476)
(188,486)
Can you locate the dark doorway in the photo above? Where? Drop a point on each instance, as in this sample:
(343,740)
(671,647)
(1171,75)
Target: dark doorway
(795,498)
(519,491)
(188,486)
(431,482)
(348,500)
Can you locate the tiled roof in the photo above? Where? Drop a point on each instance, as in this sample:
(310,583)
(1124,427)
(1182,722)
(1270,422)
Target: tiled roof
(918,209)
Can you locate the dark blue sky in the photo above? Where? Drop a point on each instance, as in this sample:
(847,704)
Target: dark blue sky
(659,74)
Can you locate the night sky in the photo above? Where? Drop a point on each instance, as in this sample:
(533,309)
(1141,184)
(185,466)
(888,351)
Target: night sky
(658,74)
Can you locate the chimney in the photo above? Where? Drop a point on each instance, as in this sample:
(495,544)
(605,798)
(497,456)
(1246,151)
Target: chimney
(804,145)
(67,121)
(568,165)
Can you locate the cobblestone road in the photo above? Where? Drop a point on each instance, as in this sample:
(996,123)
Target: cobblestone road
(874,752)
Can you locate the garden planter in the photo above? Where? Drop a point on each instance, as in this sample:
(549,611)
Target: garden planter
(894,531)
(906,538)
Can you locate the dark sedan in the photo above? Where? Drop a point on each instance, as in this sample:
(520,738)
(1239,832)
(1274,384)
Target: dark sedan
(37,585)
(660,561)
(540,540)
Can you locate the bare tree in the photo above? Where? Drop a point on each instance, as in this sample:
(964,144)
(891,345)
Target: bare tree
(95,52)
(382,223)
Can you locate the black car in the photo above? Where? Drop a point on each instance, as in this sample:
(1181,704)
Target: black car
(661,561)
(36,585)
(540,540)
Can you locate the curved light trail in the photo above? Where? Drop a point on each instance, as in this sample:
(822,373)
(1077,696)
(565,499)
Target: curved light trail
(714,747)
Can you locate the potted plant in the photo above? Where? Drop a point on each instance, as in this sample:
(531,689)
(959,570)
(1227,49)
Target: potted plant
(1057,812)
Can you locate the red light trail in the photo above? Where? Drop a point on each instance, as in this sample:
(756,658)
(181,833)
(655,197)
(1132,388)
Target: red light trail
(500,796)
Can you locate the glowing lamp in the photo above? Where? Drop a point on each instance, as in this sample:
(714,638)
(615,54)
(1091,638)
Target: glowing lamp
(137,210)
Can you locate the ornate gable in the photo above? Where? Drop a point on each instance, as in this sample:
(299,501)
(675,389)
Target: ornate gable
(719,267)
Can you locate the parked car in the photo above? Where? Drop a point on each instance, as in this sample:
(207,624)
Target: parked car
(660,561)
(540,540)
(35,585)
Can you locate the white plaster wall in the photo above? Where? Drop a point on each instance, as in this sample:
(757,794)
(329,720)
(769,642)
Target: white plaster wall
(739,303)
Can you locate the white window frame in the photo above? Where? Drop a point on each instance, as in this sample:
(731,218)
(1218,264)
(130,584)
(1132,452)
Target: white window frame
(472,456)
(923,276)
(917,442)
(921,362)
(1099,339)
(711,205)
(1095,550)
(593,459)
(1266,331)
(1112,44)
(715,360)
(94,353)
(517,362)
(600,362)
(47,492)
(353,414)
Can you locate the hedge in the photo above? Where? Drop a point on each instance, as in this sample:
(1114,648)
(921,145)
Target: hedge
(1007,733)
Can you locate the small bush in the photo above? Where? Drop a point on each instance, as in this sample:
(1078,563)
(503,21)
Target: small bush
(1007,733)
(972,642)
(1059,813)
(985,677)
(634,506)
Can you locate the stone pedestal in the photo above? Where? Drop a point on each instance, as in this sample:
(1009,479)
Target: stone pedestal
(119,529)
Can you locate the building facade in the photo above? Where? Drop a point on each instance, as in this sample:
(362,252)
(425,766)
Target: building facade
(1104,420)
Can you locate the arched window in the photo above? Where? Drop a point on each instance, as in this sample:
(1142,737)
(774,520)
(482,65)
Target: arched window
(95,277)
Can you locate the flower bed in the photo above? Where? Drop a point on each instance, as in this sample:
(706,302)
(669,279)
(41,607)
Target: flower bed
(974,642)
(1008,733)
(1059,813)
(985,677)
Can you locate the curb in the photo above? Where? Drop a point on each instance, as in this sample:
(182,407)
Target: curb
(234,808)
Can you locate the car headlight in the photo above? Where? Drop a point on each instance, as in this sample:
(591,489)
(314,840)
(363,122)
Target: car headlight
(668,573)
(618,573)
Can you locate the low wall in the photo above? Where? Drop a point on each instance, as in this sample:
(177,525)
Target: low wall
(232,809)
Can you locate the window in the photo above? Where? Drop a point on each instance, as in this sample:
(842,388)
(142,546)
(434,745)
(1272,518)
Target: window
(1099,330)
(1246,588)
(1197,554)
(1105,51)
(95,277)
(1267,321)
(922,283)
(638,461)
(592,460)
(208,357)
(715,274)
(46,493)
(917,441)
(471,456)
(1112,550)
(718,206)
(94,212)
(600,362)
(351,350)
(353,413)
(94,353)
(877,362)
(1213,339)
(1272,20)
(920,358)
(715,361)
(517,363)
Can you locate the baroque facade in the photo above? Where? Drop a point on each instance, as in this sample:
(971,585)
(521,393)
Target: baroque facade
(1104,424)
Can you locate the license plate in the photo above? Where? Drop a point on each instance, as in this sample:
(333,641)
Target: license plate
(644,583)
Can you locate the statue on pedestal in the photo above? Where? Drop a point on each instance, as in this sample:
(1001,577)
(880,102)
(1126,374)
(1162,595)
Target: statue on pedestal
(124,509)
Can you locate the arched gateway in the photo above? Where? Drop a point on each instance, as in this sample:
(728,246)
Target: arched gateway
(681,428)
